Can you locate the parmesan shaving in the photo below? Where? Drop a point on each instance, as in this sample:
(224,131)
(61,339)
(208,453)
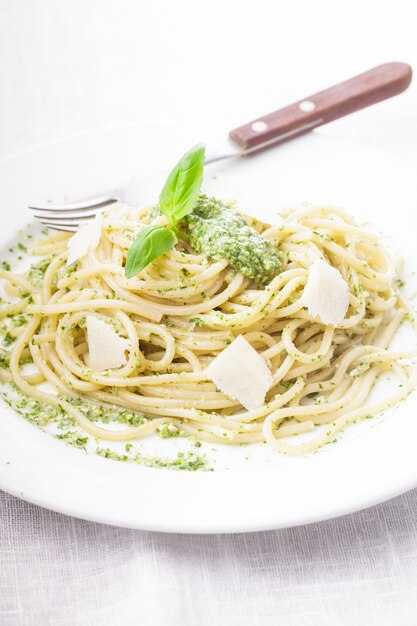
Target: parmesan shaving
(326,294)
(106,350)
(241,373)
(86,238)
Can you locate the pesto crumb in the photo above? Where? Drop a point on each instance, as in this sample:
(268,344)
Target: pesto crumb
(197,321)
(7,340)
(167,430)
(73,438)
(183,461)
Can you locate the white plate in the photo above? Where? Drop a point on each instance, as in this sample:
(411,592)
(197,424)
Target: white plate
(372,462)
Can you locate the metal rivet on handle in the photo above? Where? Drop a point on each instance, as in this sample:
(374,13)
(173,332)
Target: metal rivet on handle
(259,126)
(307,106)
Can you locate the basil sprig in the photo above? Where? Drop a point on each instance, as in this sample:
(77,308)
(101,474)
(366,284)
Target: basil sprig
(178,198)
(148,245)
(180,192)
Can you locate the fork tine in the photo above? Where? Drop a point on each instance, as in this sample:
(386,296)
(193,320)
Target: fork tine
(66,229)
(63,222)
(95,203)
(85,215)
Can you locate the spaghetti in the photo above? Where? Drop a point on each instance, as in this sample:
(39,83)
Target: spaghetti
(183,309)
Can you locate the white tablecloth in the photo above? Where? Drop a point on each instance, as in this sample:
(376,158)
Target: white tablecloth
(360,569)
(68,66)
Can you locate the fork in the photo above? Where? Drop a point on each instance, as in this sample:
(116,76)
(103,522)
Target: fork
(379,83)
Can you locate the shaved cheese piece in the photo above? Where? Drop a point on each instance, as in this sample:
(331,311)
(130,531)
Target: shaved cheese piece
(86,238)
(241,373)
(326,294)
(106,350)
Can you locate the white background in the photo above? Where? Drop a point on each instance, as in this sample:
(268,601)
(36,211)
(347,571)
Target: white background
(71,65)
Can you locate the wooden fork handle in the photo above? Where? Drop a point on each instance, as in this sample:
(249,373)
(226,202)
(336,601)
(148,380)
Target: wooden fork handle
(378,84)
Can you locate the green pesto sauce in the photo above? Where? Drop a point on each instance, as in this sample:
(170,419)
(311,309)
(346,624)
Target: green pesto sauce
(183,461)
(165,431)
(223,233)
(37,271)
(7,340)
(17,320)
(107,415)
(4,359)
(65,428)
(73,438)
(38,413)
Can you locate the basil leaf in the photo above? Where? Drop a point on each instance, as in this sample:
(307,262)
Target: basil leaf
(180,192)
(150,243)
